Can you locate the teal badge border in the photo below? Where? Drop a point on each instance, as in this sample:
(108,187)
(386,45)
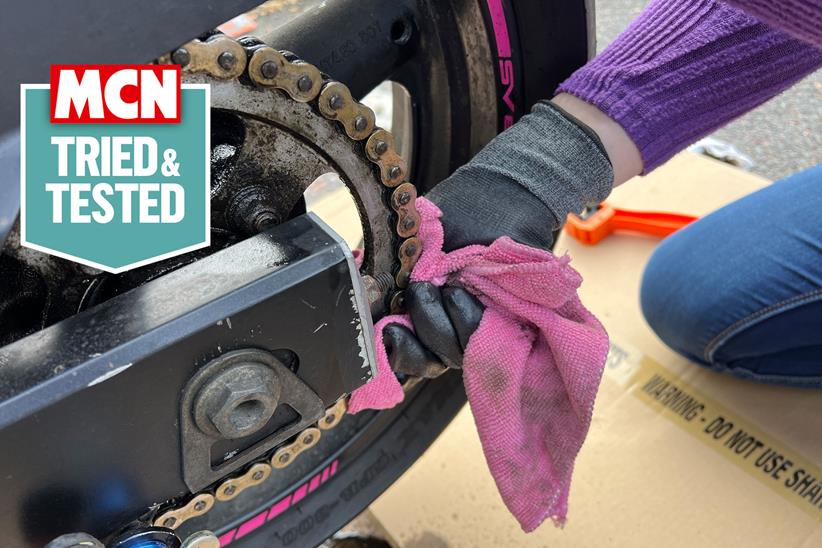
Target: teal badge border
(207,202)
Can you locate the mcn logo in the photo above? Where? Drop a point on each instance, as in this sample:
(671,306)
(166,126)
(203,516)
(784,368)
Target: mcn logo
(115,165)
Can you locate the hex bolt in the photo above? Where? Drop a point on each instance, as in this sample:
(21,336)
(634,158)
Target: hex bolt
(360,123)
(199,506)
(257,476)
(181,57)
(408,224)
(381,147)
(305,83)
(404,198)
(238,401)
(335,102)
(227,60)
(394,172)
(269,70)
(169,522)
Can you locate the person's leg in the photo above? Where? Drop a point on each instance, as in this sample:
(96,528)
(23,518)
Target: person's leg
(741,289)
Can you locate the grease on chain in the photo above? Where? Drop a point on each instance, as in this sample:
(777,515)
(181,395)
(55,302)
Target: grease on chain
(222,57)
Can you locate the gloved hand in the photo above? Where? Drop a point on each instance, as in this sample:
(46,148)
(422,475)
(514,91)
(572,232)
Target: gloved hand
(522,184)
(444,319)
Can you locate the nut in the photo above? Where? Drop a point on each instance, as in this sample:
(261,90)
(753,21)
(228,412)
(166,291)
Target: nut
(238,401)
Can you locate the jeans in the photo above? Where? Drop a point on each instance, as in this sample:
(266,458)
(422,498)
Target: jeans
(740,290)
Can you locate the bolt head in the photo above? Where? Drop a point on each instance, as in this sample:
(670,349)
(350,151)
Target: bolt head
(227,60)
(285,457)
(230,490)
(257,476)
(381,147)
(181,57)
(408,224)
(404,198)
(238,401)
(394,172)
(269,70)
(199,506)
(305,83)
(308,439)
(360,123)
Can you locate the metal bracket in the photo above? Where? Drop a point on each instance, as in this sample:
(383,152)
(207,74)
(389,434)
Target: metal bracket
(205,459)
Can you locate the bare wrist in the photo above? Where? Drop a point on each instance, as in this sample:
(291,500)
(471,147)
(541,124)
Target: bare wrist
(622,152)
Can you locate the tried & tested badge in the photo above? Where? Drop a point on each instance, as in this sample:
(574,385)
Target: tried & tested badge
(114,165)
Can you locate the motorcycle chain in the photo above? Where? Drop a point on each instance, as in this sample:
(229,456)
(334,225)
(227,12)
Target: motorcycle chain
(256,473)
(225,58)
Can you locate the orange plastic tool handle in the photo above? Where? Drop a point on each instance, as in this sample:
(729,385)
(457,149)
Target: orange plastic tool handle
(608,219)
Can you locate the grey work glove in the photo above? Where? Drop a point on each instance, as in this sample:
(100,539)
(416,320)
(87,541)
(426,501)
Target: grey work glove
(522,184)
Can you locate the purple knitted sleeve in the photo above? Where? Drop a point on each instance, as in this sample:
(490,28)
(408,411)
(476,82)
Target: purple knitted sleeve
(686,67)
(800,18)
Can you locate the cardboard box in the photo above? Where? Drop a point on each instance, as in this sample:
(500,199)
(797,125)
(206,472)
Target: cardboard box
(647,476)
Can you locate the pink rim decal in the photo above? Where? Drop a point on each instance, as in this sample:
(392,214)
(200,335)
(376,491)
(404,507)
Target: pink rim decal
(500,27)
(506,64)
(280,506)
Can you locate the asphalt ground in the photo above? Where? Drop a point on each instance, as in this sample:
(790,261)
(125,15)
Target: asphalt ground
(782,136)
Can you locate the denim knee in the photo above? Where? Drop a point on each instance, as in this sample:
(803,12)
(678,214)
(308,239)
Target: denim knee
(677,300)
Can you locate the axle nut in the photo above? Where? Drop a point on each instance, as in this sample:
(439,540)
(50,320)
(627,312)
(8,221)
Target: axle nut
(238,401)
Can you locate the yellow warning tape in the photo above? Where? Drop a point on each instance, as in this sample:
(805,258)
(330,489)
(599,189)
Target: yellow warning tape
(782,469)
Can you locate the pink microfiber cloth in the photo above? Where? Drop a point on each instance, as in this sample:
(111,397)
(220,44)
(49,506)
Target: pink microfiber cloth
(531,369)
